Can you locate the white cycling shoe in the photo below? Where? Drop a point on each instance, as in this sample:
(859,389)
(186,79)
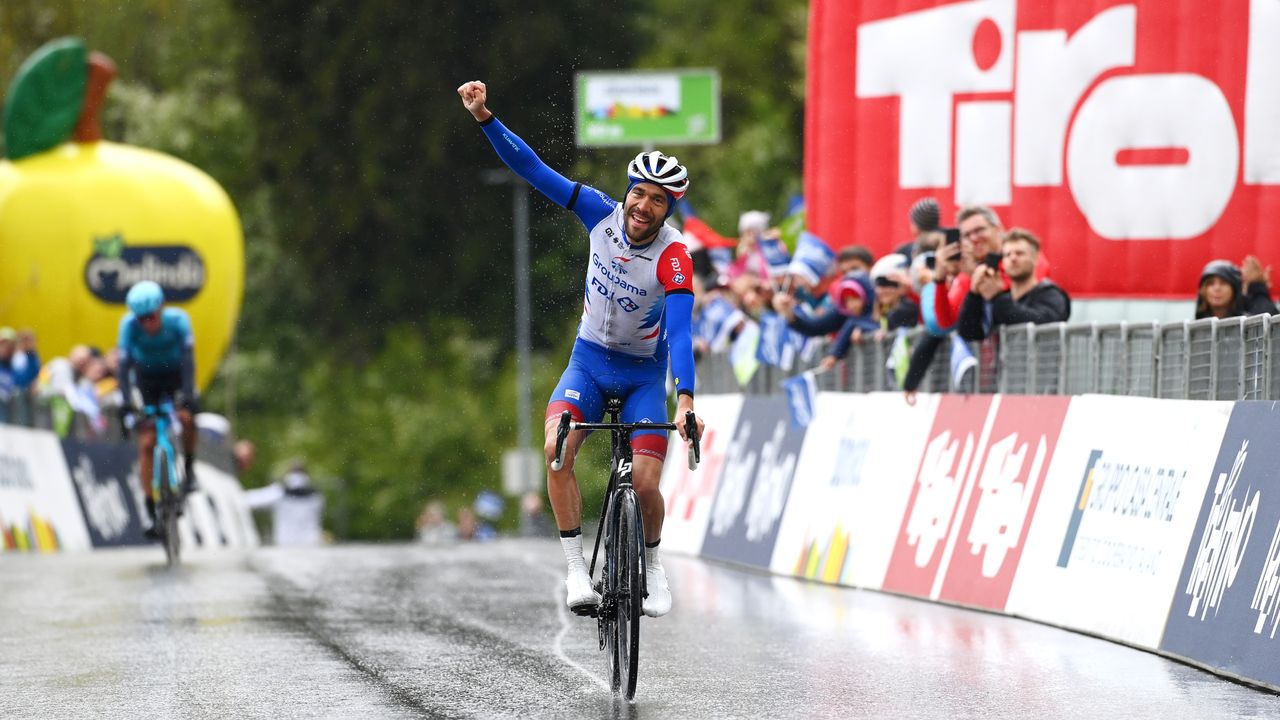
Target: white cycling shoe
(658,602)
(580,596)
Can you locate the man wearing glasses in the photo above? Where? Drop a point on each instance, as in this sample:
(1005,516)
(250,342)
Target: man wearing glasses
(157,345)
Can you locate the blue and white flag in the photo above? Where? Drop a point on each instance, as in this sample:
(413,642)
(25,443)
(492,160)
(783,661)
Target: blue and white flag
(716,321)
(812,259)
(721,258)
(773,339)
(775,256)
(779,344)
(802,398)
(962,361)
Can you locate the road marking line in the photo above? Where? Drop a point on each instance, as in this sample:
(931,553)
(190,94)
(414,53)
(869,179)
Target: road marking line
(557,646)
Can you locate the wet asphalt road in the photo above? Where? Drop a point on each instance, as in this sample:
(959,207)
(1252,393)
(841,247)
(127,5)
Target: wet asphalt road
(479,631)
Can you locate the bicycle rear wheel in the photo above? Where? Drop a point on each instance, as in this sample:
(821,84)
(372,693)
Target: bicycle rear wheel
(628,550)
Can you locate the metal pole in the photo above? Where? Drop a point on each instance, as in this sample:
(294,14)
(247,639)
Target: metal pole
(520,213)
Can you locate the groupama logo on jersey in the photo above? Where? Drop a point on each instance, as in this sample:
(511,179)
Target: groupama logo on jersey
(1096,124)
(115,266)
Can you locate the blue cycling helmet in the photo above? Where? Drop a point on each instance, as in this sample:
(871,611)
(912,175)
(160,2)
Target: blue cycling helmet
(145,298)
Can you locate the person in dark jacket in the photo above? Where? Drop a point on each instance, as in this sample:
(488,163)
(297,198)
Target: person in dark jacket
(852,296)
(1221,285)
(988,305)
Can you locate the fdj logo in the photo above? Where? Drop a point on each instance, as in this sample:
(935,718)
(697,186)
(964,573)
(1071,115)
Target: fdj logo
(114,268)
(628,304)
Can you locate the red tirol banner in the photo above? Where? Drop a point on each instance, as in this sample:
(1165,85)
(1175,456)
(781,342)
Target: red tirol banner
(1138,141)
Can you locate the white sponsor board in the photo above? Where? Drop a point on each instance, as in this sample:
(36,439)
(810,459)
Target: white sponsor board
(38,507)
(1116,515)
(217,515)
(852,485)
(689,494)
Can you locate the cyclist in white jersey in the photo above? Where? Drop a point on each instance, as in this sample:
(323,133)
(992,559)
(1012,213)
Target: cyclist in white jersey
(636,316)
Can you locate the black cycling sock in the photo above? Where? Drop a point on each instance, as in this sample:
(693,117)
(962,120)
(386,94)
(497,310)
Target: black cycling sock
(571,533)
(654,544)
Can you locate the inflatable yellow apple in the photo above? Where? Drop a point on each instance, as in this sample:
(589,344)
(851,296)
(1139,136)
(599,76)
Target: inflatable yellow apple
(83,219)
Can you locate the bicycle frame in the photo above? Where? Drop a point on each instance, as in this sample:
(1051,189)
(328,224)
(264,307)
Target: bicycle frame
(164,451)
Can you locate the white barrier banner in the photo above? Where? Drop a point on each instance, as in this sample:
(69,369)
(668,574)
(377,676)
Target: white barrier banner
(689,494)
(852,484)
(38,508)
(1116,514)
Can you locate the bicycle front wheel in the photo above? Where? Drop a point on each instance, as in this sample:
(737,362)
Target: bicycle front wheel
(168,511)
(628,555)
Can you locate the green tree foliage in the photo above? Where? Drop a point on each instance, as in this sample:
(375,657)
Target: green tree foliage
(377,328)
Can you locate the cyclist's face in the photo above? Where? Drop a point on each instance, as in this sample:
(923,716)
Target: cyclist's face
(150,322)
(644,211)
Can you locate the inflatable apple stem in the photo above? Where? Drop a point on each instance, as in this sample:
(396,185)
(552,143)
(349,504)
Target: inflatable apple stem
(101,72)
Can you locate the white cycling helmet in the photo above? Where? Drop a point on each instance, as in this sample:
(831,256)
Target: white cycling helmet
(662,170)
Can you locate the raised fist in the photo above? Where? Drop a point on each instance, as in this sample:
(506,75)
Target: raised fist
(474,94)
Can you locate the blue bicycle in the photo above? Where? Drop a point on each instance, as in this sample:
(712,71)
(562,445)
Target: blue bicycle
(167,486)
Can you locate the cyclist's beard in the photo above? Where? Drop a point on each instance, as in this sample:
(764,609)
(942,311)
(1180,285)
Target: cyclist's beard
(646,234)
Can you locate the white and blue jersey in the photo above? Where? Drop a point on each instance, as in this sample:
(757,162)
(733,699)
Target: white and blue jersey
(638,299)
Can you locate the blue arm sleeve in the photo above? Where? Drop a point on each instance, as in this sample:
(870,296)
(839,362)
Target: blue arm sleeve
(927,298)
(590,206)
(680,340)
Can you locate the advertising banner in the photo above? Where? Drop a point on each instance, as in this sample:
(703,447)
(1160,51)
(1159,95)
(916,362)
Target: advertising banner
(38,509)
(675,107)
(689,493)
(1117,511)
(105,478)
(1226,608)
(852,483)
(975,494)
(755,482)
(1116,131)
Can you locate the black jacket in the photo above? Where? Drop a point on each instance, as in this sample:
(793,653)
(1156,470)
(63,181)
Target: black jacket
(1044,303)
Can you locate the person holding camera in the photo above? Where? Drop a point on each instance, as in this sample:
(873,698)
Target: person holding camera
(988,305)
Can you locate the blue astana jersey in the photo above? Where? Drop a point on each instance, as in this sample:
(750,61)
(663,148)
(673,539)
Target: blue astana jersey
(161,352)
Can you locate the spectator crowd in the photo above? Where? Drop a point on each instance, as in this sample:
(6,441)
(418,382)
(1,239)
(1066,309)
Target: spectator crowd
(958,284)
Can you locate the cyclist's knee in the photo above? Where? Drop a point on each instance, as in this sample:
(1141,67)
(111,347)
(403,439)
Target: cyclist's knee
(549,452)
(646,474)
(147,442)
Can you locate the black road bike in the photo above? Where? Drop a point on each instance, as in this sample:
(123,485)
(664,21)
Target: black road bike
(622,575)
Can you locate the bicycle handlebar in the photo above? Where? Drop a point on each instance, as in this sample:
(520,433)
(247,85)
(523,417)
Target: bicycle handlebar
(567,425)
(695,442)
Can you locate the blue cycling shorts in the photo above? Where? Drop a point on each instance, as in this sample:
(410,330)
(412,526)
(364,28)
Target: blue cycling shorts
(595,373)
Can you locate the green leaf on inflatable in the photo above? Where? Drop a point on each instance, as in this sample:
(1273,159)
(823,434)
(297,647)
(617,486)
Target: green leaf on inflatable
(45,98)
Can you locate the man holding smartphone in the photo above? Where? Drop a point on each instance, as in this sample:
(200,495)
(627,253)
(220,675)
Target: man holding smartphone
(988,304)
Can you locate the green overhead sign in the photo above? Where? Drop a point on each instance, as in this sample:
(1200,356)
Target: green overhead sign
(646,107)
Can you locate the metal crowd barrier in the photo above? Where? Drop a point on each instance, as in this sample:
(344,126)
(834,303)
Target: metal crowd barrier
(1211,359)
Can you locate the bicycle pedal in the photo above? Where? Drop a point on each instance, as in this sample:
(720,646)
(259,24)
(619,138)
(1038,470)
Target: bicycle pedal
(585,610)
